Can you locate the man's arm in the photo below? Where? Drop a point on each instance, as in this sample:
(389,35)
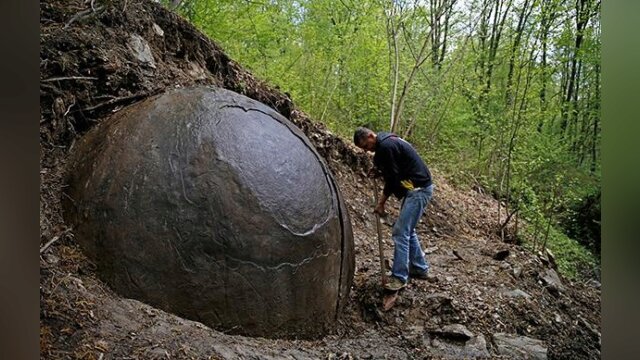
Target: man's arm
(380,205)
(390,171)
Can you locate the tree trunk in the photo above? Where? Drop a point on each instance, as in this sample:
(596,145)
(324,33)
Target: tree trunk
(575,110)
(420,59)
(392,32)
(549,216)
(583,13)
(499,18)
(522,20)
(596,119)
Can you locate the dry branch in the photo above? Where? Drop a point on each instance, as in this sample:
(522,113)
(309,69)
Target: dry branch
(70,78)
(45,246)
(83,14)
(116,101)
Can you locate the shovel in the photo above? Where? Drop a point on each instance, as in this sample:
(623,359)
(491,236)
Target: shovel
(379,228)
(388,299)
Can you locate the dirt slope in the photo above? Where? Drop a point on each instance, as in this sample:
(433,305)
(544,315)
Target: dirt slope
(94,62)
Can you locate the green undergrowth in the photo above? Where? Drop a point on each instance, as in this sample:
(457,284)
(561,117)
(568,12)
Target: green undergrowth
(574,261)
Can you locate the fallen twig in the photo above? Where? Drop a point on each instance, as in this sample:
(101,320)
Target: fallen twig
(43,248)
(82,14)
(70,78)
(65,233)
(68,109)
(116,100)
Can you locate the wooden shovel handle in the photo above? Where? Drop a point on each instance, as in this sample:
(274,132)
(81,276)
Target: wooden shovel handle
(379,228)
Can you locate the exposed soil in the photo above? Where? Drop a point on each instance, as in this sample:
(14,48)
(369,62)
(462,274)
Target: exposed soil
(89,70)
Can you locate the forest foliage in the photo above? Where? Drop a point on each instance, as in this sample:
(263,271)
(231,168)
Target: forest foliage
(503,95)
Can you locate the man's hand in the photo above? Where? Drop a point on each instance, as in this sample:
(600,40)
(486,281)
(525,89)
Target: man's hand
(379,209)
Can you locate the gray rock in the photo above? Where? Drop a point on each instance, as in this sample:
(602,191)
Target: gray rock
(141,50)
(455,331)
(552,281)
(517,293)
(475,347)
(157,29)
(557,317)
(51,259)
(594,283)
(517,271)
(156,353)
(438,297)
(430,250)
(552,259)
(520,347)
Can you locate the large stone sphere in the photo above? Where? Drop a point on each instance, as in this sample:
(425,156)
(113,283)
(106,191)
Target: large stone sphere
(213,206)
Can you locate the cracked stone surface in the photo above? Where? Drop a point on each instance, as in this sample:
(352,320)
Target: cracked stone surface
(208,204)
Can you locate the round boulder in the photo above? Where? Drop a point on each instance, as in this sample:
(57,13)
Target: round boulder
(213,206)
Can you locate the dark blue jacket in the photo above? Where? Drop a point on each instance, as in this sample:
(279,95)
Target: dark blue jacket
(398,161)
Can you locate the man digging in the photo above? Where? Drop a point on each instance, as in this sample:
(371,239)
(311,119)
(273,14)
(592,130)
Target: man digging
(408,178)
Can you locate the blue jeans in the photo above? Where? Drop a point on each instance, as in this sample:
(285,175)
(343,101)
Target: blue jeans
(407,252)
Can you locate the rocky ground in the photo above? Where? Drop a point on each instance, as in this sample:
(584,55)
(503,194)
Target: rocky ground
(485,299)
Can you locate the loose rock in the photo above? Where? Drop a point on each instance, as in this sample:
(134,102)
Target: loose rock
(520,347)
(552,281)
(475,347)
(454,332)
(157,29)
(517,293)
(141,50)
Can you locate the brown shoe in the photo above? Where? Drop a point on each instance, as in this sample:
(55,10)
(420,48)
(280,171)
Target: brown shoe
(422,275)
(394,284)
